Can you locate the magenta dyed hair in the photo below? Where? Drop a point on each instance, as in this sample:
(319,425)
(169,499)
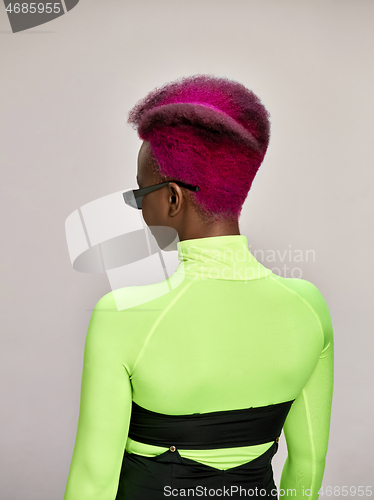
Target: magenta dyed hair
(207,131)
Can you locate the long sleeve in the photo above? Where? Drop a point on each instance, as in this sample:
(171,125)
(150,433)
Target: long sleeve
(308,423)
(104,416)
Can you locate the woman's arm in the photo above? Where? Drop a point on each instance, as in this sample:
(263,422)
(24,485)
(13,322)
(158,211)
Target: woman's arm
(104,416)
(307,425)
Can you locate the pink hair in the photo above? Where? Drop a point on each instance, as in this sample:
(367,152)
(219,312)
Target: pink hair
(209,132)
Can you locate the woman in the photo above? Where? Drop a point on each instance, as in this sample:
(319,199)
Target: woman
(187,395)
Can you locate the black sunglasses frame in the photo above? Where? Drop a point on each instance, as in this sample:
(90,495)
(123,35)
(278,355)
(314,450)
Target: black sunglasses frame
(134,197)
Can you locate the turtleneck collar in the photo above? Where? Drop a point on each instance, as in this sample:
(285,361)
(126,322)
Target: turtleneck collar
(219,257)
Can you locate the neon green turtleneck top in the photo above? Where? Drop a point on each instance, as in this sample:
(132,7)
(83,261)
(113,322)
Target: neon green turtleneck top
(222,333)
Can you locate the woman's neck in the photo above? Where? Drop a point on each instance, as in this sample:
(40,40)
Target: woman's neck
(196,228)
(225,257)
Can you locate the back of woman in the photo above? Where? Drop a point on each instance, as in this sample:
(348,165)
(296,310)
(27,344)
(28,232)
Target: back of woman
(191,388)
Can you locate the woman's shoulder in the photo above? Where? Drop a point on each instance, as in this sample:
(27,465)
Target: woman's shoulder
(149,297)
(313,298)
(307,290)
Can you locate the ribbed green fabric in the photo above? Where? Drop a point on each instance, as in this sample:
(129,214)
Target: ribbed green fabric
(222,333)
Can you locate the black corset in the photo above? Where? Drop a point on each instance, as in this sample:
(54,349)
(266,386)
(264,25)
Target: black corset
(219,429)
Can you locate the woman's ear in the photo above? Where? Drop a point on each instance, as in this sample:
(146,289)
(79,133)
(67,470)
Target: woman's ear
(176,199)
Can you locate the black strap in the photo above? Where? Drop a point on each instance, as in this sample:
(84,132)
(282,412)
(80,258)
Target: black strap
(219,429)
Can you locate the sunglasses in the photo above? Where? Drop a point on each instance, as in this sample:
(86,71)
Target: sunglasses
(134,197)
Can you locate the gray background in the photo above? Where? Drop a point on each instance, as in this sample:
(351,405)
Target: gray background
(66,88)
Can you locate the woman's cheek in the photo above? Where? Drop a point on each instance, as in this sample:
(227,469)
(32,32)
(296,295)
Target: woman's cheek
(147,213)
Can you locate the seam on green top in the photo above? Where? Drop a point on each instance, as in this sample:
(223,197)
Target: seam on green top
(310,307)
(158,320)
(311,438)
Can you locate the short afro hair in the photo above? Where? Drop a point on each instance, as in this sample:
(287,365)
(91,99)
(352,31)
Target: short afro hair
(206,131)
